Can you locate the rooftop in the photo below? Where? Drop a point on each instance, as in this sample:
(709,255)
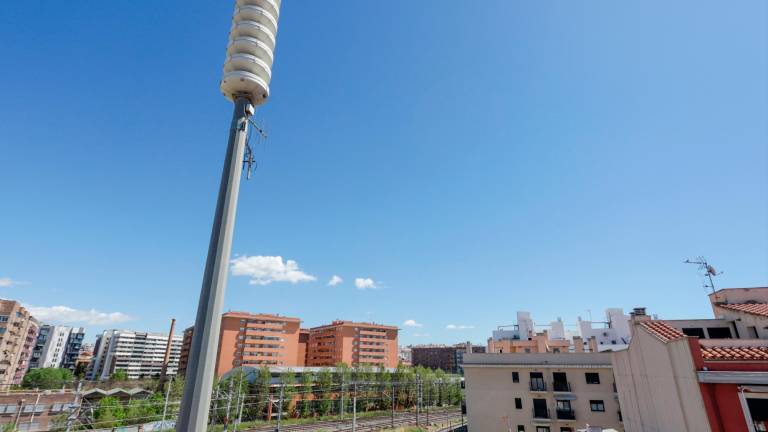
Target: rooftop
(240,314)
(661,330)
(760,309)
(735,353)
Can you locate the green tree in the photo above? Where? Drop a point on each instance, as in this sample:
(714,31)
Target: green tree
(109,413)
(258,394)
(47,378)
(384,388)
(305,405)
(119,375)
(343,380)
(324,391)
(144,410)
(288,382)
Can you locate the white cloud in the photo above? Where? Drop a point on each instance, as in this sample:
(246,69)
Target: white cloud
(335,280)
(264,270)
(365,283)
(66,314)
(459,327)
(6,282)
(420,335)
(412,323)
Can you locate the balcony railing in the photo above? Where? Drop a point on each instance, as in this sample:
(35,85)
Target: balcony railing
(541,413)
(566,414)
(538,386)
(561,386)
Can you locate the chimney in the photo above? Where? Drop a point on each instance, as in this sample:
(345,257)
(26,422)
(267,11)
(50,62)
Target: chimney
(167,356)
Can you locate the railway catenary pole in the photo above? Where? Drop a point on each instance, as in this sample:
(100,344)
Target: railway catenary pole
(247,73)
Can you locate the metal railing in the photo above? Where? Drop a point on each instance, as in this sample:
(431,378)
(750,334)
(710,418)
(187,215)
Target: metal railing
(541,413)
(566,414)
(561,386)
(538,386)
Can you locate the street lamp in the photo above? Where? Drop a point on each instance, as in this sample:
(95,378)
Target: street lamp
(247,73)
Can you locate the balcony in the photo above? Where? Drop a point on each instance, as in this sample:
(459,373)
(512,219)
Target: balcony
(566,414)
(538,386)
(540,414)
(561,386)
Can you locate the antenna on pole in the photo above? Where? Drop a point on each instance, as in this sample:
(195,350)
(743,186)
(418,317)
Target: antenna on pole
(709,271)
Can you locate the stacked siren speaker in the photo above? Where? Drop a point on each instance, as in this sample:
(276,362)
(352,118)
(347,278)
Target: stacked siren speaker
(248,68)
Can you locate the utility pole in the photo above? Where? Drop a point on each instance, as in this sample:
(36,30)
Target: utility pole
(74,407)
(239,398)
(418,398)
(280,407)
(354,407)
(247,73)
(392,417)
(229,405)
(165,405)
(341,409)
(32,417)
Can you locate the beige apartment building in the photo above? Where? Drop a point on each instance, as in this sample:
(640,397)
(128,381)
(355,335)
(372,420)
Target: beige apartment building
(18,335)
(550,392)
(353,343)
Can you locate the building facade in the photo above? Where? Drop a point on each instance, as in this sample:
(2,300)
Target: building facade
(57,347)
(139,354)
(610,335)
(18,335)
(698,375)
(353,343)
(256,340)
(35,411)
(542,392)
(522,337)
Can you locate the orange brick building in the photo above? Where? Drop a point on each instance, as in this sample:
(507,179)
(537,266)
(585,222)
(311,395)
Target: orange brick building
(247,339)
(352,343)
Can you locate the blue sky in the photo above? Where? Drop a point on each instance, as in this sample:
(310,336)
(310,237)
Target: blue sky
(470,159)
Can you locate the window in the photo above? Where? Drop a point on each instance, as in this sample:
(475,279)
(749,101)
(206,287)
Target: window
(519,403)
(719,332)
(515,377)
(520,428)
(3,318)
(542,428)
(597,405)
(528,350)
(698,332)
(592,377)
(566,429)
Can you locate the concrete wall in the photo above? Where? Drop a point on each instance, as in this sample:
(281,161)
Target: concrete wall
(658,386)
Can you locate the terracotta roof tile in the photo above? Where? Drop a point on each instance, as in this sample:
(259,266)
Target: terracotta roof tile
(751,308)
(662,330)
(735,353)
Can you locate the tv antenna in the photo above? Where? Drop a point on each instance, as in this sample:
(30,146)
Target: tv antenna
(249,162)
(709,271)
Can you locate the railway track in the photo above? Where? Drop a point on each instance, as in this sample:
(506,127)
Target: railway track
(368,424)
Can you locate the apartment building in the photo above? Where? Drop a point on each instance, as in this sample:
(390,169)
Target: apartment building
(698,375)
(256,340)
(449,358)
(57,347)
(35,411)
(18,334)
(610,335)
(522,337)
(542,392)
(353,343)
(140,354)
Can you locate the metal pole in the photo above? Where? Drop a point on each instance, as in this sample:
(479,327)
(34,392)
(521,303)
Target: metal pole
(71,417)
(34,408)
(193,414)
(392,417)
(418,397)
(165,406)
(229,405)
(354,407)
(280,407)
(239,398)
(341,409)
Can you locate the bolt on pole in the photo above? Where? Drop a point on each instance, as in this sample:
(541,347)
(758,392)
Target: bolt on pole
(193,414)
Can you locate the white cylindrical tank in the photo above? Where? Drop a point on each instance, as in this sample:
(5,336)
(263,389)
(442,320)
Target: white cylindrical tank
(250,52)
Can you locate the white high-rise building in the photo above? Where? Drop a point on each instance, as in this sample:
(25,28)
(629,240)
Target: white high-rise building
(139,354)
(611,335)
